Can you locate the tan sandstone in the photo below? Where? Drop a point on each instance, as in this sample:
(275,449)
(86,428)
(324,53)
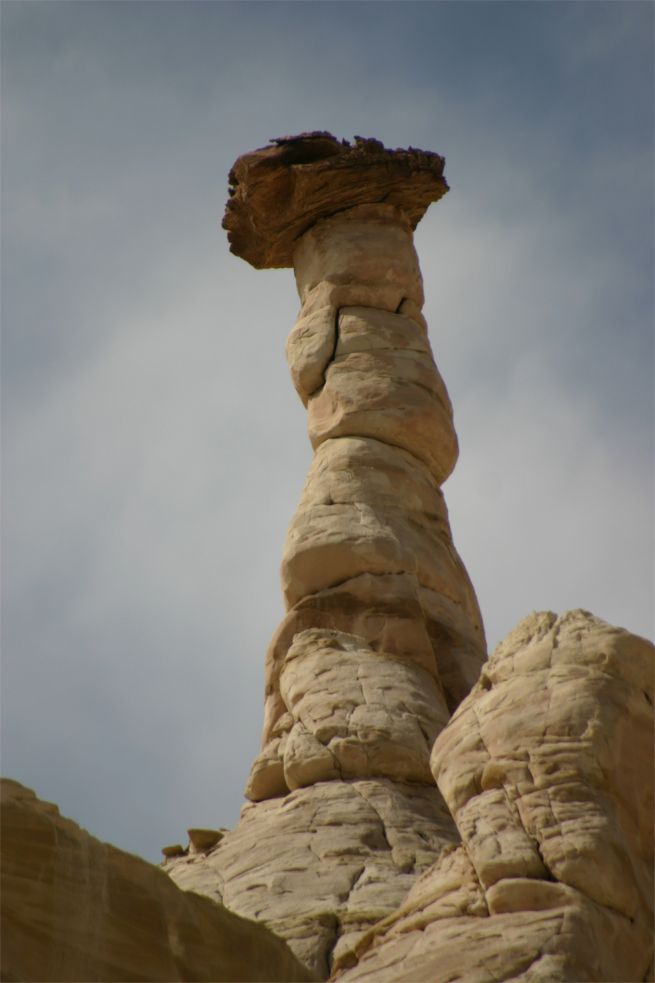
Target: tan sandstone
(547,768)
(383,634)
(321,865)
(533,860)
(76,909)
(355,713)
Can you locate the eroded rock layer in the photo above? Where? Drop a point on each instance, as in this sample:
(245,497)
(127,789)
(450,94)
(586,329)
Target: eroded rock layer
(76,909)
(278,192)
(382,636)
(369,551)
(324,863)
(547,768)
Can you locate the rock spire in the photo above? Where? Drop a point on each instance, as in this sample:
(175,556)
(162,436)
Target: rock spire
(383,635)
(279,192)
(536,866)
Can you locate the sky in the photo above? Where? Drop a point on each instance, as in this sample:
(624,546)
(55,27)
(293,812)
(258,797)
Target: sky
(153,447)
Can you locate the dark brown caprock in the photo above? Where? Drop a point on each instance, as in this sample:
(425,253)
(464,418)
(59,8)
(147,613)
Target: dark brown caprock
(278,192)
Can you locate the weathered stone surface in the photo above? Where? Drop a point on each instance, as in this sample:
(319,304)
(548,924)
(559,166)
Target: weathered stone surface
(362,329)
(397,398)
(457,637)
(376,715)
(278,192)
(580,784)
(76,909)
(349,522)
(382,610)
(547,767)
(344,812)
(352,470)
(336,330)
(369,551)
(391,614)
(362,367)
(201,840)
(350,712)
(310,349)
(324,863)
(368,248)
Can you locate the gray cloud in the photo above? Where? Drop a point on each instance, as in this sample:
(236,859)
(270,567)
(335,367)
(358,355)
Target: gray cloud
(154,449)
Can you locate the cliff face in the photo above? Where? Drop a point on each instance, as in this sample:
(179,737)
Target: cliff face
(76,909)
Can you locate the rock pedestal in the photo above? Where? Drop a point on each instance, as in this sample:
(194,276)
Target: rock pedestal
(383,636)
(383,633)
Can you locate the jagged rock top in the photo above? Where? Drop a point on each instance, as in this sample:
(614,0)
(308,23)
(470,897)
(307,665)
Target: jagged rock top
(280,191)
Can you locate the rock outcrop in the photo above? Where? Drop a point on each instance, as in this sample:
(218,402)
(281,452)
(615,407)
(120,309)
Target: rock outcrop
(76,909)
(417,814)
(547,768)
(383,635)
(279,192)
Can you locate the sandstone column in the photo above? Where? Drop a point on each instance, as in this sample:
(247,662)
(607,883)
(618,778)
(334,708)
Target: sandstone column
(383,635)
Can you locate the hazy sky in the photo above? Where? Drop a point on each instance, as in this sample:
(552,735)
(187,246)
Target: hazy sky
(154,448)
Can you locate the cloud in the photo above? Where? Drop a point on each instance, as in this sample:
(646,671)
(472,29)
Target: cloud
(154,449)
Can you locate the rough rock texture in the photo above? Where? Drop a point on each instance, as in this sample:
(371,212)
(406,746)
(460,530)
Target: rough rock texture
(547,768)
(322,864)
(369,550)
(280,191)
(382,635)
(536,865)
(76,909)
(543,869)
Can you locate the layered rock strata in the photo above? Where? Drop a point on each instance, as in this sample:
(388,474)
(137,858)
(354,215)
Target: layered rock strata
(382,635)
(75,909)
(547,767)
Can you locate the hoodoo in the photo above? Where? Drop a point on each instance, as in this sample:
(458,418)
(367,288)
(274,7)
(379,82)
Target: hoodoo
(417,813)
(537,863)
(383,634)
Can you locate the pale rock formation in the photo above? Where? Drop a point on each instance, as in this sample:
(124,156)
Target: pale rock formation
(383,636)
(364,714)
(533,860)
(542,870)
(322,864)
(352,713)
(547,767)
(76,909)
(381,423)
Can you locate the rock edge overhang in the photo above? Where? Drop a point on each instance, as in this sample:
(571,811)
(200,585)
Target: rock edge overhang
(278,192)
